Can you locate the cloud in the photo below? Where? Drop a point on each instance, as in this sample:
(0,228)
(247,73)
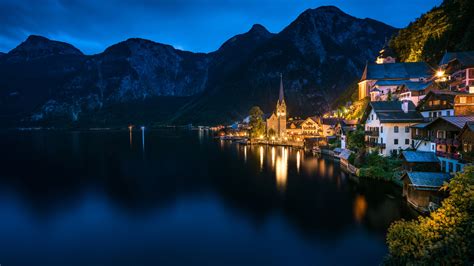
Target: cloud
(198,25)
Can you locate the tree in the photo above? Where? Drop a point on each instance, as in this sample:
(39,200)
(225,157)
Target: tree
(257,126)
(356,139)
(446,237)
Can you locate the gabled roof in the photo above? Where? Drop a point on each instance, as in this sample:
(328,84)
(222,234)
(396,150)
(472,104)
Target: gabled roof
(392,112)
(427,180)
(469,126)
(396,71)
(417,86)
(420,125)
(466,59)
(345,154)
(420,157)
(438,94)
(456,121)
(297,122)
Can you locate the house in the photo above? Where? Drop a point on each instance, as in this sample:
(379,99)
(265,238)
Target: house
(390,76)
(344,157)
(328,126)
(413,91)
(420,161)
(276,124)
(343,128)
(445,132)
(421,138)
(293,127)
(437,103)
(464,105)
(421,188)
(466,137)
(311,127)
(387,126)
(460,68)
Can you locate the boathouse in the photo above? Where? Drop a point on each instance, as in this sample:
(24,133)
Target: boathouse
(421,188)
(422,161)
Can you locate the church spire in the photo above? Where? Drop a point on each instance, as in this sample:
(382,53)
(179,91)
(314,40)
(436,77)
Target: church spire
(282,96)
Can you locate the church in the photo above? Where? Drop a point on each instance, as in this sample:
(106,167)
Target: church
(276,123)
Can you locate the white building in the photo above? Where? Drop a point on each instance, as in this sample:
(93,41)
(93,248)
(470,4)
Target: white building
(387,126)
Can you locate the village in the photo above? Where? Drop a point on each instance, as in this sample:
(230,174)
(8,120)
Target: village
(416,120)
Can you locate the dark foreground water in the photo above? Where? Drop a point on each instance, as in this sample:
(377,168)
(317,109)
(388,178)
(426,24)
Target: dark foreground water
(182,198)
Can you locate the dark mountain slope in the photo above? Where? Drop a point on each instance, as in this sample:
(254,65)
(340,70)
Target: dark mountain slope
(320,53)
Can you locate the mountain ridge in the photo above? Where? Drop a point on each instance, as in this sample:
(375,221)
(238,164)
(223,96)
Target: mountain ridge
(319,53)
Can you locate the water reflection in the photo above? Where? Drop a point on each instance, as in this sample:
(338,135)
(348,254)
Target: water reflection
(273,158)
(245,153)
(360,208)
(261,158)
(281,171)
(298,161)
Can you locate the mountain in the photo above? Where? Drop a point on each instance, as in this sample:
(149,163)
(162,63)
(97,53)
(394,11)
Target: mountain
(320,53)
(447,27)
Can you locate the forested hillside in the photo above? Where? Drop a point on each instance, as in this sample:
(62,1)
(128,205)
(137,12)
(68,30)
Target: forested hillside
(447,27)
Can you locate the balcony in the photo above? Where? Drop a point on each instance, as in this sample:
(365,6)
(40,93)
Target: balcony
(449,142)
(371,144)
(422,137)
(372,133)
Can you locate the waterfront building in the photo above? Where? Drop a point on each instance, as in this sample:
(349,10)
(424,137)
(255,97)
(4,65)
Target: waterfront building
(423,188)
(276,124)
(385,79)
(294,128)
(329,126)
(343,128)
(437,103)
(445,139)
(420,161)
(387,126)
(311,127)
(459,67)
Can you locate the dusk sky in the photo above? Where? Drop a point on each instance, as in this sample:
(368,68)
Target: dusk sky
(194,25)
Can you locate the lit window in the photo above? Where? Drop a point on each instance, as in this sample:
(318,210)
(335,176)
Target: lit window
(462,99)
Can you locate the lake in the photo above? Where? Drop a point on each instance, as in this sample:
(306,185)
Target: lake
(175,197)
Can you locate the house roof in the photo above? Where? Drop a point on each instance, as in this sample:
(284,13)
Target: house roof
(438,94)
(392,112)
(466,59)
(345,154)
(457,121)
(396,71)
(420,125)
(297,122)
(427,180)
(417,86)
(469,126)
(420,157)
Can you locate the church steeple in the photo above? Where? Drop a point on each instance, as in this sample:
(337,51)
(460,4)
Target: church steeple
(282,96)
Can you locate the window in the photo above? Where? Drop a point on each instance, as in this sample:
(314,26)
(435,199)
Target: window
(395,141)
(436,102)
(441,134)
(407,142)
(462,99)
(381,140)
(448,113)
(407,130)
(439,113)
(395,129)
(371,117)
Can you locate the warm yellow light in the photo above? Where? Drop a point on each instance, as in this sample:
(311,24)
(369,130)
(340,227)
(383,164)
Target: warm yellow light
(273,138)
(261,136)
(440,73)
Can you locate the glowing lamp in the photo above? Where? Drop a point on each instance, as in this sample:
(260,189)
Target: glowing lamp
(142,127)
(440,73)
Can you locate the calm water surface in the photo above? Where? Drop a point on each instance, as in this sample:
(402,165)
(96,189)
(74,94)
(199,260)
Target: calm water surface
(182,198)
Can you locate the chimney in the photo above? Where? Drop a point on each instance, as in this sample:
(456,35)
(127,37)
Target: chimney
(405,106)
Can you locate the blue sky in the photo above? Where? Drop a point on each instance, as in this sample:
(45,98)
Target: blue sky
(194,25)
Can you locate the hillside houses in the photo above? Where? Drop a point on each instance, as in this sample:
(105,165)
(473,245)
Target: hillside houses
(415,108)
